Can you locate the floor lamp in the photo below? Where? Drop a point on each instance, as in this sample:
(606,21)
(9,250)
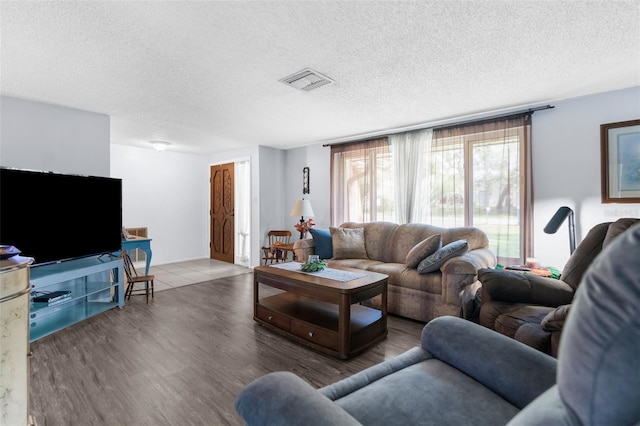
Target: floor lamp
(557,220)
(302,208)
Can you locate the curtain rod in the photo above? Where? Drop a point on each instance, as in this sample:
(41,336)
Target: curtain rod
(493,117)
(438,127)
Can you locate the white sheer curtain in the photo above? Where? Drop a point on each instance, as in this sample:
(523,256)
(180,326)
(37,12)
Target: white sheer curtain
(410,154)
(361,182)
(242,201)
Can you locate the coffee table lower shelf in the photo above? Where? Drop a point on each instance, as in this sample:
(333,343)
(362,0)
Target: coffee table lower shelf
(316,323)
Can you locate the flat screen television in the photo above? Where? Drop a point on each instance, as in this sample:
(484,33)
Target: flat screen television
(56,217)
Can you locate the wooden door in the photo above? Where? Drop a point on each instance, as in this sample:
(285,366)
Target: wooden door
(222,223)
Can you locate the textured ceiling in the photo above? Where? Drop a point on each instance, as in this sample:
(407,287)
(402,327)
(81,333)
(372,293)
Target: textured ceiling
(204,75)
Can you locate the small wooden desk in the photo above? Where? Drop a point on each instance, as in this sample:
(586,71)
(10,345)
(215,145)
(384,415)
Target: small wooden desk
(143,244)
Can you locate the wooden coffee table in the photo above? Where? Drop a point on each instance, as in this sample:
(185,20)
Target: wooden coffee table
(322,313)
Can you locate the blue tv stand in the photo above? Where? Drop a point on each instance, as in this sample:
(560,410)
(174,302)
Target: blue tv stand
(96,284)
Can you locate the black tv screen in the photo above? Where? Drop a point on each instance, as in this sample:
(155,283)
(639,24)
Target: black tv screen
(55,217)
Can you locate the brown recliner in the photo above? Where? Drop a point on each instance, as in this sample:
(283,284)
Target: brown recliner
(532,309)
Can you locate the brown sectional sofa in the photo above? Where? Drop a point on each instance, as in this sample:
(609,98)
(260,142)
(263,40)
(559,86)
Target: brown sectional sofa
(449,291)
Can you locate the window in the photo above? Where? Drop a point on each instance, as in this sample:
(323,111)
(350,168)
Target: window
(474,175)
(362,185)
(480,178)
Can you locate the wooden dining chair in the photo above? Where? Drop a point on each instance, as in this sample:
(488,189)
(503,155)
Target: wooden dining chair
(133,278)
(274,252)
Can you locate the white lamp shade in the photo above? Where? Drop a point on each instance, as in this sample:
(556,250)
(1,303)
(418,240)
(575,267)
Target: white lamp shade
(302,208)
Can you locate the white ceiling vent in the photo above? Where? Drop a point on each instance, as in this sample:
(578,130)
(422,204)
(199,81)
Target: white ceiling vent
(307,79)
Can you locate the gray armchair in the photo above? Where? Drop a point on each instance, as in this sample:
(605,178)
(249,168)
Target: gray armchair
(464,373)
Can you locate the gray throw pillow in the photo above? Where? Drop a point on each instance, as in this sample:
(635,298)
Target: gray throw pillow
(348,243)
(423,249)
(437,259)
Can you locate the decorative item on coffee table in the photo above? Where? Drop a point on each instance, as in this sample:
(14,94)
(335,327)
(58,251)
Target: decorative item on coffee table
(313,264)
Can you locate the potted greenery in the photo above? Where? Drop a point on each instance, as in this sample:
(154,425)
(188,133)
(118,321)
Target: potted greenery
(313,264)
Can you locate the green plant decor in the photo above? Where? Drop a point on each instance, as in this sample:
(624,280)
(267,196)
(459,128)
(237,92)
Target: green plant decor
(313,266)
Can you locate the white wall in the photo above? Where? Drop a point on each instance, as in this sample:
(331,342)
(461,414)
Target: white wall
(566,155)
(271,191)
(168,193)
(317,158)
(39,136)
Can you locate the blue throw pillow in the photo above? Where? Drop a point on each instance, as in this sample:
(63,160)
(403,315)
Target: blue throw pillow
(436,260)
(322,241)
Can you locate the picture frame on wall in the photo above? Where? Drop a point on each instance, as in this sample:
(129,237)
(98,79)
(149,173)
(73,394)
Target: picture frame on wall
(620,161)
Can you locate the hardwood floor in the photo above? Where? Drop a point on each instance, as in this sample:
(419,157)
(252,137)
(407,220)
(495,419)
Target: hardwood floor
(181,360)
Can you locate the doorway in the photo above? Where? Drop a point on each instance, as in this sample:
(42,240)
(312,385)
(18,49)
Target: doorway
(222,212)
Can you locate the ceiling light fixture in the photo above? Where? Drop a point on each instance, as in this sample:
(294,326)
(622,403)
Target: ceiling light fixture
(160,145)
(306,79)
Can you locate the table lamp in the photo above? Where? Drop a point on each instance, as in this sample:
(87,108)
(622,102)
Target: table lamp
(302,208)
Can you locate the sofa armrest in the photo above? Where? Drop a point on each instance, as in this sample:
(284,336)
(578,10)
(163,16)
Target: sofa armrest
(369,375)
(554,321)
(514,371)
(303,248)
(470,262)
(459,277)
(515,287)
(282,398)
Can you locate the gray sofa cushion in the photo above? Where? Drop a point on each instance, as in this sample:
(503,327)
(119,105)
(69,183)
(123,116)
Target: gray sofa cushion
(348,243)
(424,248)
(492,359)
(510,323)
(377,238)
(452,384)
(546,410)
(449,397)
(436,260)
